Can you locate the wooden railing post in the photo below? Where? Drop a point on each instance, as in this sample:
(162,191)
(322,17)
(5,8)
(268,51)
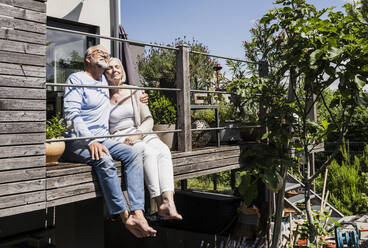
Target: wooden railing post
(183,98)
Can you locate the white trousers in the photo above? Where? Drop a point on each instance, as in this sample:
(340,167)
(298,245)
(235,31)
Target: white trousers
(157,164)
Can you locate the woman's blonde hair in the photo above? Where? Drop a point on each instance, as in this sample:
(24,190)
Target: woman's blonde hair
(123,78)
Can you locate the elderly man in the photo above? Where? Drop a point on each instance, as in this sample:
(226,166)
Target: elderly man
(88,109)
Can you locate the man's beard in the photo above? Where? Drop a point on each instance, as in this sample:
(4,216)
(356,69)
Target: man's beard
(100,63)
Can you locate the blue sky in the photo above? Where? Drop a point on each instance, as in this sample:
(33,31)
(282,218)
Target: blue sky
(221,25)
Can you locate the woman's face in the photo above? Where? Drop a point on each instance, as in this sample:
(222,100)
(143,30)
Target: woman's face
(114,72)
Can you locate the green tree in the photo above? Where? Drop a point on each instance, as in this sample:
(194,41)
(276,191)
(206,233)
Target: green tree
(307,50)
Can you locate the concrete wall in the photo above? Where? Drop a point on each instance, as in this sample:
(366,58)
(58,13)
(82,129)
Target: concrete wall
(94,12)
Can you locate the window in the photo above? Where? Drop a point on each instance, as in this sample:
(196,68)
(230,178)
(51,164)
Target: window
(64,55)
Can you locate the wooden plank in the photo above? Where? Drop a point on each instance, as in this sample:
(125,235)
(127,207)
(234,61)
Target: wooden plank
(27,4)
(74,198)
(23,25)
(206,150)
(79,189)
(68,180)
(22,93)
(205,157)
(25,82)
(205,165)
(22,175)
(63,169)
(18,104)
(22,70)
(22,199)
(22,127)
(22,162)
(22,187)
(22,47)
(22,139)
(23,59)
(21,151)
(19,35)
(19,13)
(22,209)
(206,172)
(22,116)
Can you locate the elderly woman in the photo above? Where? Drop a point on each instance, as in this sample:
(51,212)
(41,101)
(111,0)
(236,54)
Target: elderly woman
(129,115)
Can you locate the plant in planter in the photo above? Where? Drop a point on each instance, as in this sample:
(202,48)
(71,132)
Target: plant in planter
(163,111)
(54,130)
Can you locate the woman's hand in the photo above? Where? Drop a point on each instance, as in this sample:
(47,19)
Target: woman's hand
(144,98)
(130,140)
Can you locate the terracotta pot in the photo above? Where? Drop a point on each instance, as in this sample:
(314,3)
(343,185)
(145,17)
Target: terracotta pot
(54,150)
(167,138)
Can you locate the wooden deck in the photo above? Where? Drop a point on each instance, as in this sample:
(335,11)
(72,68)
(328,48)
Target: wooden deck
(71,182)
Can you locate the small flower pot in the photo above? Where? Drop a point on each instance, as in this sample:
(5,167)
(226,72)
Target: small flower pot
(167,138)
(54,150)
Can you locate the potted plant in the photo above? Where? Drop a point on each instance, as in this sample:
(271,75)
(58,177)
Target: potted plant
(54,130)
(163,111)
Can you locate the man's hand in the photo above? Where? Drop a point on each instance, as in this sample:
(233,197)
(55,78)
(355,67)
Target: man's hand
(144,98)
(97,149)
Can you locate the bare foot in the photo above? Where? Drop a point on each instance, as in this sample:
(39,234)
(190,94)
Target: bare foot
(168,211)
(138,225)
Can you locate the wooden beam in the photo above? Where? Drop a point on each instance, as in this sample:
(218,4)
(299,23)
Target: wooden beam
(27,4)
(183,98)
(22,175)
(23,59)
(19,35)
(22,199)
(22,116)
(19,13)
(21,151)
(19,82)
(205,172)
(18,104)
(74,198)
(205,157)
(23,25)
(22,47)
(22,187)
(22,70)
(206,165)
(68,180)
(79,189)
(23,93)
(22,209)
(22,127)
(22,139)
(22,162)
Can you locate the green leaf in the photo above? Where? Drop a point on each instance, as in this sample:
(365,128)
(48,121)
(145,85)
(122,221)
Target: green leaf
(273,180)
(265,135)
(325,124)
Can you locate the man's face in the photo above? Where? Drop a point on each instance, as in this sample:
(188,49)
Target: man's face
(100,57)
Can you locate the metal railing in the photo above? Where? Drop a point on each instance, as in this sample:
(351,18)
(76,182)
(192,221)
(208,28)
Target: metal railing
(183,90)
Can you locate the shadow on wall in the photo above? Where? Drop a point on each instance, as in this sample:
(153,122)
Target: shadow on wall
(75,13)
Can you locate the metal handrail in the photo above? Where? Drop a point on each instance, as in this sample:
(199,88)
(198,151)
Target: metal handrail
(144,44)
(111,38)
(212,91)
(223,57)
(111,136)
(111,87)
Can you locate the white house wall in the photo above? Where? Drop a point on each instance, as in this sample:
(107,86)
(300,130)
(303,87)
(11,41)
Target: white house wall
(93,12)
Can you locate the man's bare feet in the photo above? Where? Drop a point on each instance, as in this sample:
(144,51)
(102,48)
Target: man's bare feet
(167,209)
(138,225)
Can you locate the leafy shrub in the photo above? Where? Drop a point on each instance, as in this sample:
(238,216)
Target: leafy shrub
(55,127)
(347,183)
(163,110)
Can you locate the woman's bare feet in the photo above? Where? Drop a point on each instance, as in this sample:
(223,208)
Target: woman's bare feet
(138,225)
(167,208)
